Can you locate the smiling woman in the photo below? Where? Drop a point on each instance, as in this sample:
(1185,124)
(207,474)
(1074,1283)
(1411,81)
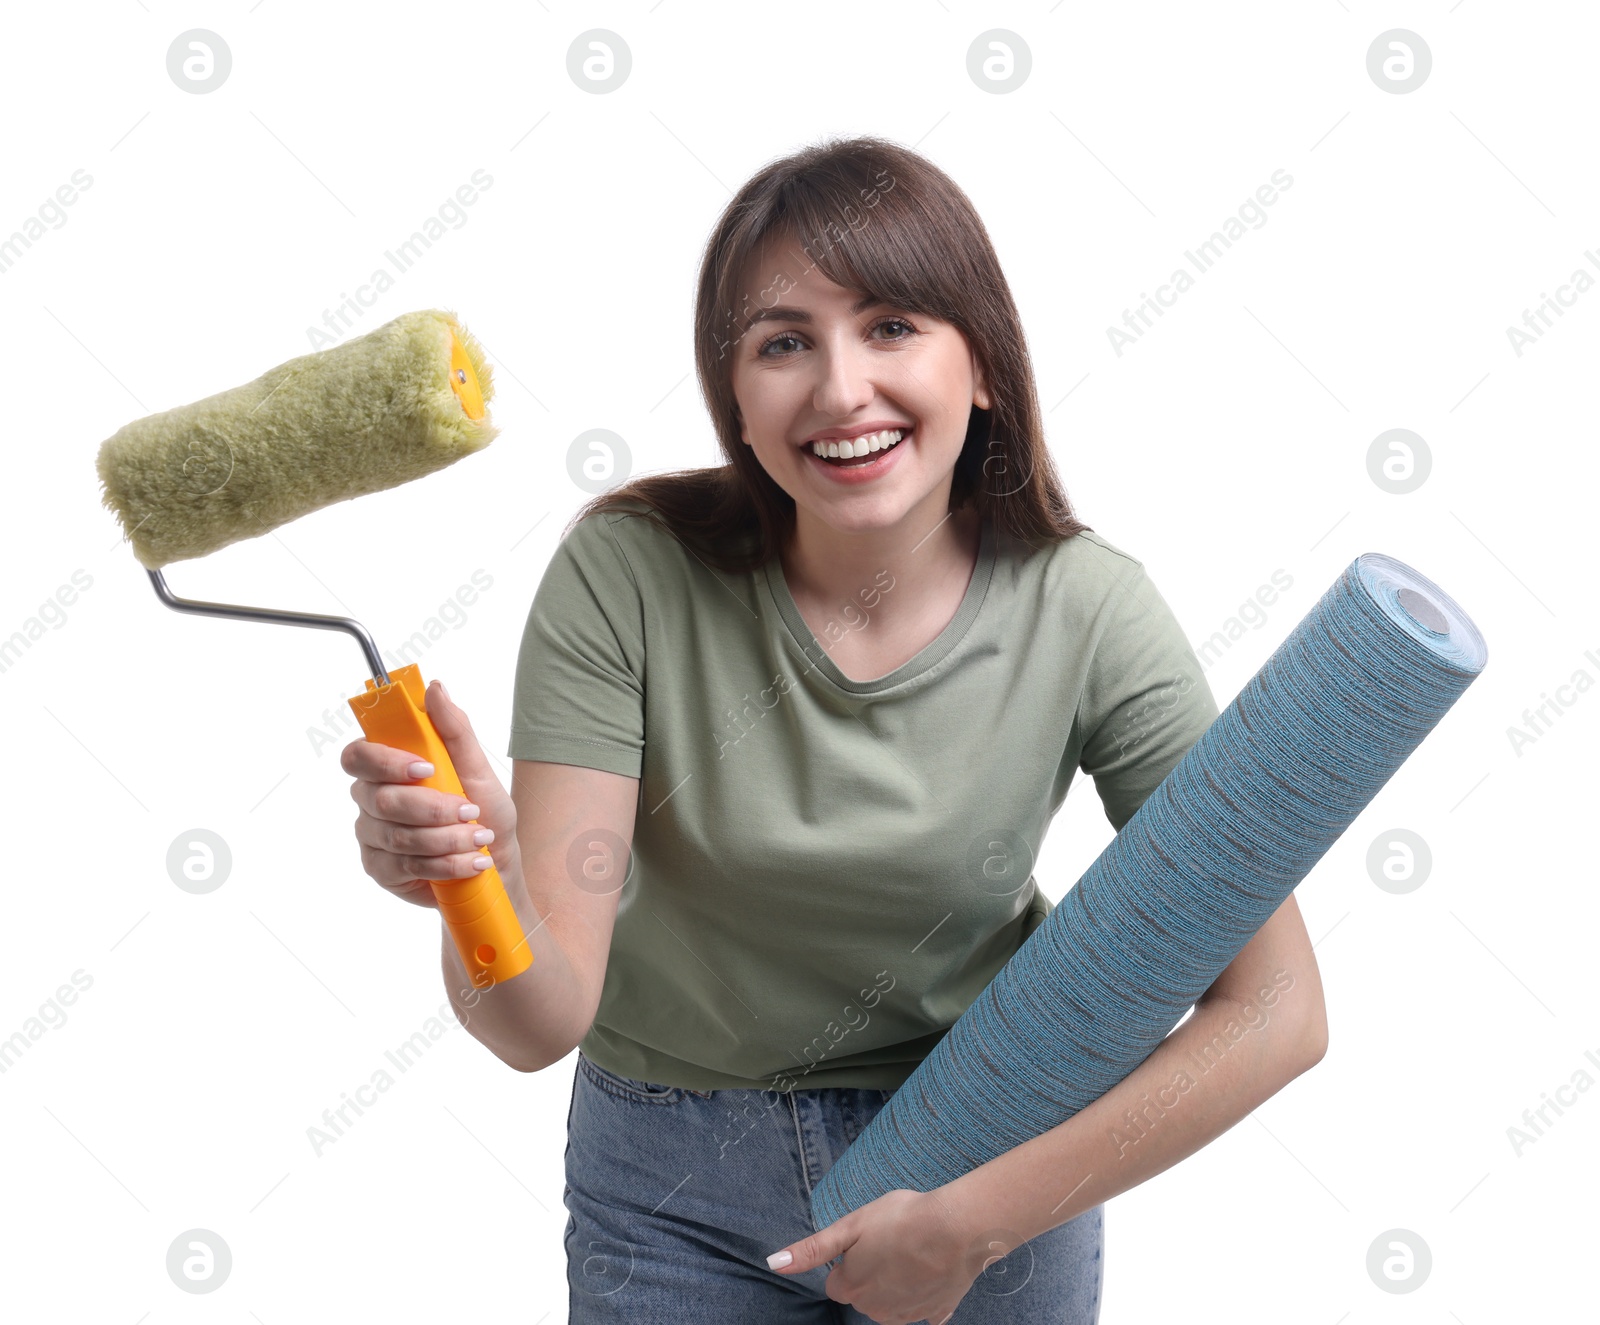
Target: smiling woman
(902,317)
(827,808)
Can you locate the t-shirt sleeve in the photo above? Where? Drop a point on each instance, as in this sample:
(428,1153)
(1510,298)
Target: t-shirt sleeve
(1145,700)
(579,694)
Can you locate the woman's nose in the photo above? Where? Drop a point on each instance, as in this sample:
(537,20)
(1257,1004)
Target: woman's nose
(844,381)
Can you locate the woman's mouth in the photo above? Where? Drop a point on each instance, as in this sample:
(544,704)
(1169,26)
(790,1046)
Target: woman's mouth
(866,463)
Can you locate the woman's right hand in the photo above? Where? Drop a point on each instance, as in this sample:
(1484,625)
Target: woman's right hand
(411,834)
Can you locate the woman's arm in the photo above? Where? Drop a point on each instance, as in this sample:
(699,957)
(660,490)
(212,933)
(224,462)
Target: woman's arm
(1258,1027)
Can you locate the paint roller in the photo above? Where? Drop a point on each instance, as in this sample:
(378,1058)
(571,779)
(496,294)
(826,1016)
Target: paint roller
(1202,865)
(380,410)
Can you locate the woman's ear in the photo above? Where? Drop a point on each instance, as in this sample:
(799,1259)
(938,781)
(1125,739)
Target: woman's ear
(980,390)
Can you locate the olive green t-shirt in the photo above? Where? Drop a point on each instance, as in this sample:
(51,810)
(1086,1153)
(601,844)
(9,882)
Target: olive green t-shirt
(827,872)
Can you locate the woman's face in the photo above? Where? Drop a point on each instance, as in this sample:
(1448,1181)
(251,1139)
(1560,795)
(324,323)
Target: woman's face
(818,362)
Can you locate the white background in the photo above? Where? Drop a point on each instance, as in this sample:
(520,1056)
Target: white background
(1229,442)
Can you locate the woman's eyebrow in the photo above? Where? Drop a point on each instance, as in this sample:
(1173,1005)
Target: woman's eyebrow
(778,314)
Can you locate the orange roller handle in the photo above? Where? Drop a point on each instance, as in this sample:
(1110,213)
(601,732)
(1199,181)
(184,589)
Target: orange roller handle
(487,932)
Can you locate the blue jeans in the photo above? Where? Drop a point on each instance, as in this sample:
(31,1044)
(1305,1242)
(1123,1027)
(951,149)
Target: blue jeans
(676,1198)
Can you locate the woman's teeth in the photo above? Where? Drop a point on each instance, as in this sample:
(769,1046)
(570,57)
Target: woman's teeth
(858,448)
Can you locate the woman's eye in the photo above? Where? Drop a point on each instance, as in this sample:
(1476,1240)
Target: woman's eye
(790,336)
(781,336)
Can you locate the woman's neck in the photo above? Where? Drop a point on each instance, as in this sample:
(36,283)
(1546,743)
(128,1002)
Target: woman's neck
(894,577)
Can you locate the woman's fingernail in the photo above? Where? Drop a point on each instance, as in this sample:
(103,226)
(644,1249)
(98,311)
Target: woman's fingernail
(421,769)
(443,691)
(482,862)
(468,811)
(483,836)
(778,1260)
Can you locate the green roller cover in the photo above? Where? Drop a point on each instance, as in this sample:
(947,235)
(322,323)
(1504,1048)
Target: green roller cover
(373,413)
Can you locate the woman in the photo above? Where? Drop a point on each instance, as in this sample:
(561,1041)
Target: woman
(849,692)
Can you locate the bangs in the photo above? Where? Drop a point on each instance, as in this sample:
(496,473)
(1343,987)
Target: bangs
(860,233)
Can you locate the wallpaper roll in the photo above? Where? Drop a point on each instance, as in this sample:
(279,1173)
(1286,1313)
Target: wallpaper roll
(1209,856)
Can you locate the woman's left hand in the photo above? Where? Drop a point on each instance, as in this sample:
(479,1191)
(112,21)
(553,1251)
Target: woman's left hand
(905,1259)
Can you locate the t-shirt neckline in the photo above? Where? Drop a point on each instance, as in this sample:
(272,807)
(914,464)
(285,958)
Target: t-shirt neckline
(929,657)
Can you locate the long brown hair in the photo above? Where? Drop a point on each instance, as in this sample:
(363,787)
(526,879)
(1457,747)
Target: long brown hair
(877,218)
